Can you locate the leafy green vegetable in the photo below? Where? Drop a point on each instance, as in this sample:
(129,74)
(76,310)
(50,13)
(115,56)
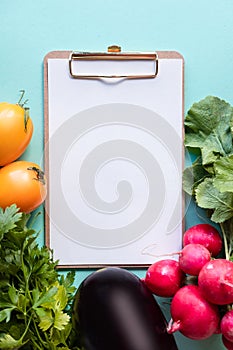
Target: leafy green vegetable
(8,342)
(8,219)
(35,301)
(224,174)
(209,132)
(209,197)
(208,127)
(193,176)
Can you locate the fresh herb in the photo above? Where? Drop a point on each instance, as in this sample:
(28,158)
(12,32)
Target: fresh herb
(209,134)
(35,301)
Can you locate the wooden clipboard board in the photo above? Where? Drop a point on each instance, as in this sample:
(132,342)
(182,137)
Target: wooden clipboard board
(113,157)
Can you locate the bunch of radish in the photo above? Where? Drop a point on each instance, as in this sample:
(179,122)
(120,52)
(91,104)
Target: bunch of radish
(200,285)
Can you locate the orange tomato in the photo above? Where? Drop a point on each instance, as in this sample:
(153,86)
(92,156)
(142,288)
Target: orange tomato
(22,183)
(16,130)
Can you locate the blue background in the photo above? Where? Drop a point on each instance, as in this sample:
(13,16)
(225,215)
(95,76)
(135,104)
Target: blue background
(200,30)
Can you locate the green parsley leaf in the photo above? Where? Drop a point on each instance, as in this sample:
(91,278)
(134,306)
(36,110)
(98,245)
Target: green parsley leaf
(8,342)
(46,318)
(35,301)
(5,314)
(13,294)
(47,298)
(8,219)
(61,319)
(60,336)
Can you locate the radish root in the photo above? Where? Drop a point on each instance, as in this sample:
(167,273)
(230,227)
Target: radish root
(173,326)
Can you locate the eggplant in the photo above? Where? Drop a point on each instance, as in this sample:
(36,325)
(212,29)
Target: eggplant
(114,310)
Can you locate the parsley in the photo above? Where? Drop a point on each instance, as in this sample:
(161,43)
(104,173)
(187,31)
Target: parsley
(209,180)
(35,301)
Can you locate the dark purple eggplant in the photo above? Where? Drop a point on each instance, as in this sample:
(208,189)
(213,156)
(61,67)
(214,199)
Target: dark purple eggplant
(114,310)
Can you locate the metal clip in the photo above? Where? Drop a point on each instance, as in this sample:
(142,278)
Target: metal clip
(114,53)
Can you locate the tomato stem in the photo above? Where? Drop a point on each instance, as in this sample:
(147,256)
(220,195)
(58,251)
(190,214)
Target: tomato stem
(21,97)
(24,103)
(39,174)
(26,110)
(26,118)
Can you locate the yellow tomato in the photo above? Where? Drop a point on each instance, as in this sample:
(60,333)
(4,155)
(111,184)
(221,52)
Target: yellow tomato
(16,130)
(22,183)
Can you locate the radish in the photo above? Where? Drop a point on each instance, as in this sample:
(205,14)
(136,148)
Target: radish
(228,344)
(216,281)
(206,235)
(193,257)
(192,314)
(164,277)
(226,326)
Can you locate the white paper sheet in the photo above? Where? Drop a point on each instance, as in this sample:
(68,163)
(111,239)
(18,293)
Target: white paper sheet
(115,165)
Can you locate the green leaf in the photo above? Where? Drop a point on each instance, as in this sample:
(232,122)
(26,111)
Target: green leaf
(16,330)
(61,298)
(61,320)
(16,239)
(209,197)
(5,301)
(6,314)
(4,283)
(68,280)
(208,127)
(46,318)
(8,219)
(193,176)
(224,174)
(8,342)
(8,268)
(60,336)
(22,301)
(33,297)
(12,292)
(47,298)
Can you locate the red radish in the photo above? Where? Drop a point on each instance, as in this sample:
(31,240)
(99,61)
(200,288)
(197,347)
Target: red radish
(216,281)
(226,326)
(193,257)
(192,314)
(206,235)
(164,277)
(228,344)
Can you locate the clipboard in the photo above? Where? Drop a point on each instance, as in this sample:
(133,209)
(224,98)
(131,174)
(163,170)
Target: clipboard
(113,156)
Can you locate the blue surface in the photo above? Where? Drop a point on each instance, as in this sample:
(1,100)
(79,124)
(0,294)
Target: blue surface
(200,30)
